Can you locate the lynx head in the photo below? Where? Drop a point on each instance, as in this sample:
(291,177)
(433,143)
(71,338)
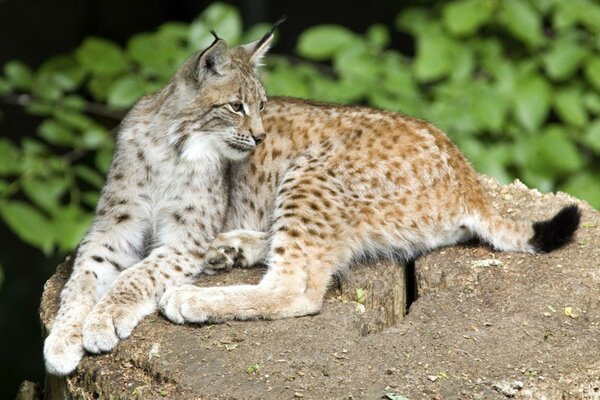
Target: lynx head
(219,99)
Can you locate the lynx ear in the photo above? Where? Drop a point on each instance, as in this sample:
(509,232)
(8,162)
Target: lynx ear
(257,50)
(214,60)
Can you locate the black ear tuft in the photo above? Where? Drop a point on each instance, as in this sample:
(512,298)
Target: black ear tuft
(556,231)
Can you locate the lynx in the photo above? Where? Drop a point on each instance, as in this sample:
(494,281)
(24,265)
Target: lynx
(208,175)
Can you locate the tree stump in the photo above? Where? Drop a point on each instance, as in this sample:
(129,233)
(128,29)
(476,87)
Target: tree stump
(484,321)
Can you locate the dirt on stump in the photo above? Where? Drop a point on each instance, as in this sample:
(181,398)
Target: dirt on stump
(485,325)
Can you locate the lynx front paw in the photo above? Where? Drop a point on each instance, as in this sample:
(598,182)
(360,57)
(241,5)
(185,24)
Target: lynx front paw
(62,351)
(181,304)
(105,326)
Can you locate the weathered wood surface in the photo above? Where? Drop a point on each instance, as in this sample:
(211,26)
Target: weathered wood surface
(481,318)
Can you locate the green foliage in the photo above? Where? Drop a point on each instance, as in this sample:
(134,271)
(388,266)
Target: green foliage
(516,83)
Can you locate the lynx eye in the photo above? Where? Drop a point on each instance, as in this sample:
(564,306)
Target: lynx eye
(237,107)
(262,106)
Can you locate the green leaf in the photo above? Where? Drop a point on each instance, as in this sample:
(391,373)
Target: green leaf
(465,17)
(378,34)
(284,80)
(255,32)
(99,85)
(413,19)
(5,86)
(324,41)
(592,102)
(94,138)
(125,92)
(584,185)
(356,61)
(224,19)
(490,107)
(70,225)
(103,159)
(522,21)
(564,58)
(592,136)
(74,119)
(18,74)
(40,108)
(553,153)
(56,133)
(592,72)
(90,176)
(102,57)
(90,198)
(46,88)
(570,107)
(9,157)
(435,55)
(28,224)
(157,56)
(532,98)
(45,193)
(62,71)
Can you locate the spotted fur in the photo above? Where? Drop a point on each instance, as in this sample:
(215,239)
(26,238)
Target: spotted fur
(328,184)
(164,200)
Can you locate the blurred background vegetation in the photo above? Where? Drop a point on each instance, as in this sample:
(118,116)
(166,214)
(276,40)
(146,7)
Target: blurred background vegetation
(515,83)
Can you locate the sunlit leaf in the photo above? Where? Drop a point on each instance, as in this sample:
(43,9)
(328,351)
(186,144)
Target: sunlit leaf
(379,34)
(569,105)
(435,55)
(584,185)
(224,19)
(324,41)
(532,99)
(522,20)
(465,17)
(564,58)
(125,92)
(102,57)
(592,71)
(553,153)
(592,136)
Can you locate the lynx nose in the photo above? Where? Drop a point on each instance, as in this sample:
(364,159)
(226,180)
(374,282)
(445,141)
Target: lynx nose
(259,138)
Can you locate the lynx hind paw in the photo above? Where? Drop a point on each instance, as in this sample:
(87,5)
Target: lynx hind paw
(223,258)
(238,248)
(63,351)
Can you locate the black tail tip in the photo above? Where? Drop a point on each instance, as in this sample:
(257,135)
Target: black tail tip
(556,231)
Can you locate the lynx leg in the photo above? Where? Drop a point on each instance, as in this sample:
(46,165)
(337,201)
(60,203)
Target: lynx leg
(239,248)
(306,249)
(100,259)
